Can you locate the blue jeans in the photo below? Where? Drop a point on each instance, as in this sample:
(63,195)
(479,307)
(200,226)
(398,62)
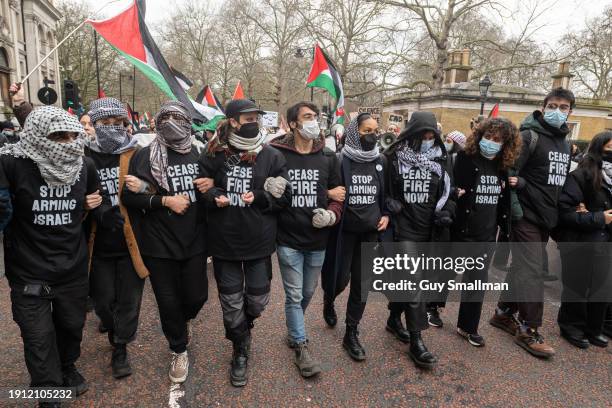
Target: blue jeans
(300,271)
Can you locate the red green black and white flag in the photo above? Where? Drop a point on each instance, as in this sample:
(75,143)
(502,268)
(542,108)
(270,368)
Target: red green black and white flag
(323,74)
(128,34)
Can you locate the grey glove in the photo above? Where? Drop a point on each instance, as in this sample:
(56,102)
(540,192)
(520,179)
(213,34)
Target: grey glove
(275,186)
(323,218)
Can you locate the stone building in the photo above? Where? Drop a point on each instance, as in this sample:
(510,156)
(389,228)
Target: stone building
(27,34)
(459,100)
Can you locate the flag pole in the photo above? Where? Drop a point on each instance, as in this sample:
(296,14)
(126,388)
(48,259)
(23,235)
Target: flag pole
(61,42)
(97,65)
(134,90)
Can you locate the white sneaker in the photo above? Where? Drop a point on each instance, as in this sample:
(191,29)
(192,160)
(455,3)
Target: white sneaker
(179,367)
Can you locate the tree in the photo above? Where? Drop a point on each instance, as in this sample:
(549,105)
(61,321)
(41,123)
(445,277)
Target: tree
(591,60)
(438,17)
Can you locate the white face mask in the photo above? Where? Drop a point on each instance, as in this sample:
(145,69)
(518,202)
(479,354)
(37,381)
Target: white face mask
(449,146)
(310,129)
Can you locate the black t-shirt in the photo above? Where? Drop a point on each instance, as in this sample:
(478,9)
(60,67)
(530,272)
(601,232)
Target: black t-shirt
(311,175)
(418,191)
(108,243)
(45,240)
(363,209)
(482,225)
(160,232)
(241,232)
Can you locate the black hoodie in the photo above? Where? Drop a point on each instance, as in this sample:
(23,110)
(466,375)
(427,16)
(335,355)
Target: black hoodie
(241,232)
(418,191)
(542,172)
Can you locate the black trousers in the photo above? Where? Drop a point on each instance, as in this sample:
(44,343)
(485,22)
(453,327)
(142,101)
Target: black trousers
(181,289)
(351,272)
(525,278)
(51,328)
(244,293)
(470,308)
(117,293)
(587,285)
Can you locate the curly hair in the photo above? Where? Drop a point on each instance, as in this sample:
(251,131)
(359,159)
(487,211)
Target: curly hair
(511,140)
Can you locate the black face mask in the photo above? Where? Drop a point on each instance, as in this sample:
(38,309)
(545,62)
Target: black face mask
(248,130)
(607,156)
(368,141)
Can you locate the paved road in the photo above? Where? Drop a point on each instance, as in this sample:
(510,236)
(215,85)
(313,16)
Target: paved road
(501,374)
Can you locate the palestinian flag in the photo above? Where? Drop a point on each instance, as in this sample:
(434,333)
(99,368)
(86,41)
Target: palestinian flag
(185,82)
(495,111)
(128,34)
(323,74)
(238,92)
(208,98)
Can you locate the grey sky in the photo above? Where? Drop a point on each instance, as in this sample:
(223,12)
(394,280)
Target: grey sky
(560,15)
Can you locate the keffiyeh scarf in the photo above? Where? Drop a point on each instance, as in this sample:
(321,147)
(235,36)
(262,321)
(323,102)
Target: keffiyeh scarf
(352,146)
(174,134)
(408,159)
(59,163)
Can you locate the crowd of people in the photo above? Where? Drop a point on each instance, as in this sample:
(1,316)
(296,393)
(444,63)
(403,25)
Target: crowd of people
(87,210)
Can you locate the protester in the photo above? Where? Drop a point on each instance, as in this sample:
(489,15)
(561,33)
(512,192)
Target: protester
(481,171)
(541,171)
(393,128)
(21,108)
(364,216)
(171,227)
(585,215)
(117,271)
(304,227)
(418,154)
(88,125)
(45,250)
(250,186)
(8,133)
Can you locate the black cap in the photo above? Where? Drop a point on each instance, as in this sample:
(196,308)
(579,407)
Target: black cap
(236,107)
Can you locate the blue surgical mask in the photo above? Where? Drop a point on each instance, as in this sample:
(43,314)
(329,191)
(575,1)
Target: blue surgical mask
(555,117)
(489,148)
(426,145)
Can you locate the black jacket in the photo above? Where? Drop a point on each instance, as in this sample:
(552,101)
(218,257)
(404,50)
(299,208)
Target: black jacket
(542,172)
(242,232)
(468,224)
(584,227)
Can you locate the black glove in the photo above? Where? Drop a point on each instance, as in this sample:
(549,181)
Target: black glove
(443,218)
(112,219)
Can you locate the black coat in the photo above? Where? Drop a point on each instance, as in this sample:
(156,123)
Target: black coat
(466,174)
(584,227)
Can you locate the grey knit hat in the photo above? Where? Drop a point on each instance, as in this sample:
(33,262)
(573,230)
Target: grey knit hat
(106,107)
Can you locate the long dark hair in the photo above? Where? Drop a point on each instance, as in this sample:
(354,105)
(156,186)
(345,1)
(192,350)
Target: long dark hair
(592,160)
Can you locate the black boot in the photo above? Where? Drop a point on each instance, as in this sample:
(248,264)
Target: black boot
(329,313)
(396,327)
(73,379)
(351,344)
(119,362)
(419,353)
(240,358)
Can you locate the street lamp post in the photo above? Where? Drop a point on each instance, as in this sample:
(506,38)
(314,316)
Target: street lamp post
(483,86)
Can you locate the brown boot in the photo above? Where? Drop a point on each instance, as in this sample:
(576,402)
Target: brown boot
(505,321)
(533,342)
